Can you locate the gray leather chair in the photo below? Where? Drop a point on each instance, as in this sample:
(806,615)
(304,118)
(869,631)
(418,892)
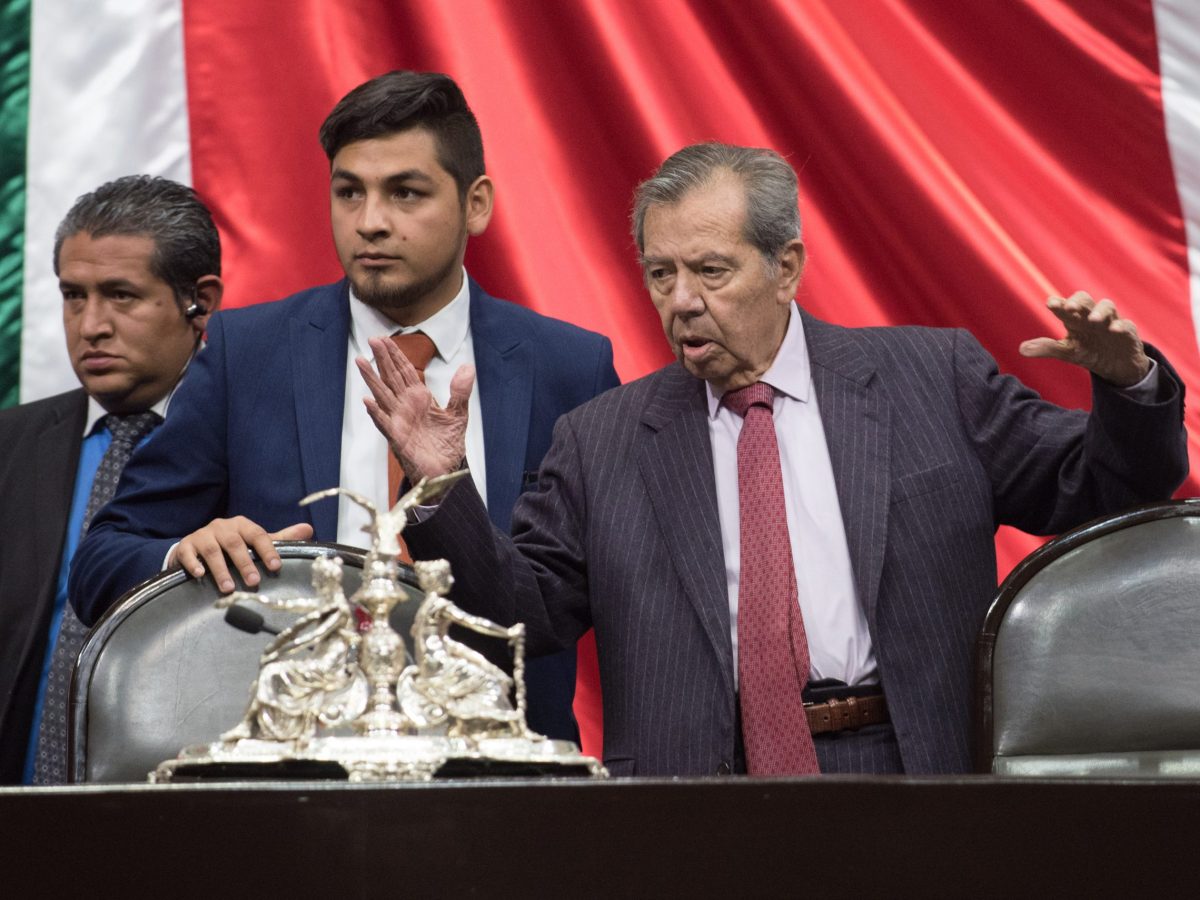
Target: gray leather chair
(1088,662)
(163,670)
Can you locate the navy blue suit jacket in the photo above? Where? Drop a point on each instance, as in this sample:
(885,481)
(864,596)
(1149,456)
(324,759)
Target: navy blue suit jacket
(256,425)
(931,449)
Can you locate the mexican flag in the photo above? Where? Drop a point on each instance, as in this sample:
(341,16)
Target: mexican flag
(959,162)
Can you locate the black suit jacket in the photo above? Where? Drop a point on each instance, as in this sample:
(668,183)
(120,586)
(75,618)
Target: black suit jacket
(931,449)
(39,455)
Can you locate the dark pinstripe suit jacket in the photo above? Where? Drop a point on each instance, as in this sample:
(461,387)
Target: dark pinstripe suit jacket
(932,449)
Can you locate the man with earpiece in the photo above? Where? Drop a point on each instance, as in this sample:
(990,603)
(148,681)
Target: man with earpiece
(139,266)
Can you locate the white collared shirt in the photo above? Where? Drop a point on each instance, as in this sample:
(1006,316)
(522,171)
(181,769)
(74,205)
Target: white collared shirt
(839,644)
(96,412)
(364,449)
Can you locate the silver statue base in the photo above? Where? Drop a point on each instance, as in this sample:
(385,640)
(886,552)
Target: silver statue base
(334,702)
(381,758)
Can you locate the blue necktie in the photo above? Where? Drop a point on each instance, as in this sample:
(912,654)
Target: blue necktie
(51,764)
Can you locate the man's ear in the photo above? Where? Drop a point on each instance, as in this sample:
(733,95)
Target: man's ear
(209,291)
(791,267)
(479,200)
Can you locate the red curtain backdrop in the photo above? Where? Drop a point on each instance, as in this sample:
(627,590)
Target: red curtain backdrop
(958,161)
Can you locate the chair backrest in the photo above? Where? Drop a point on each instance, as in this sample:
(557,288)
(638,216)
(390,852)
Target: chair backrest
(163,670)
(1088,662)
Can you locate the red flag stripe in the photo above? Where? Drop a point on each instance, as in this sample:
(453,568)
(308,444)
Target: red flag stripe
(958,161)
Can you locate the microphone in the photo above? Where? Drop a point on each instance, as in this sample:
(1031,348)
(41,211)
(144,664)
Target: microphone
(247,620)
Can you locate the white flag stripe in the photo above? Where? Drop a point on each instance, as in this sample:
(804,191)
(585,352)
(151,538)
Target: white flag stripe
(107,98)
(1178,25)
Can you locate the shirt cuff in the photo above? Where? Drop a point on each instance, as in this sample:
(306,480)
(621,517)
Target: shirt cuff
(1145,390)
(419,514)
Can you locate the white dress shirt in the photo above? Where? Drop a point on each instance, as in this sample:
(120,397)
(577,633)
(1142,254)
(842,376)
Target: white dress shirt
(96,412)
(839,645)
(364,449)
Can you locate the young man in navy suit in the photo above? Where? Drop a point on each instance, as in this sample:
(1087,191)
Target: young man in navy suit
(274,408)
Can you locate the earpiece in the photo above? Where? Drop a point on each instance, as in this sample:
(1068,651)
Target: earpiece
(194,308)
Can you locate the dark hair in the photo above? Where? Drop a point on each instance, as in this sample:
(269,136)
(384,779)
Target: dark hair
(402,100)
(186,244)
(772,213)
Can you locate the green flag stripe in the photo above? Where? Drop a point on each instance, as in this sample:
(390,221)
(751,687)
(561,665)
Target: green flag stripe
(14,119)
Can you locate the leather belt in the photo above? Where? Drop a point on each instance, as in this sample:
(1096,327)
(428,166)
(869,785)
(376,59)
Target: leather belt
(847,714)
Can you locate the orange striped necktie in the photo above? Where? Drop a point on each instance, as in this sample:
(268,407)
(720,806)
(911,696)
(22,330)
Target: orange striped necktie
(419,349)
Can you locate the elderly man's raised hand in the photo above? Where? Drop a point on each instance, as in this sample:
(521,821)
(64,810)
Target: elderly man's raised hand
(1097,339)
(427,439)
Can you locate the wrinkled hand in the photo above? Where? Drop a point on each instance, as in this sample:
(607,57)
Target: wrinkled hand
(1097,339)
(427,439)
(225,541)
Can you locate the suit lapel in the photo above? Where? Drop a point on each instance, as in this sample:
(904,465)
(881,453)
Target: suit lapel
(675,459)
(318,355)
(57,460)
(504,367)
(857,429)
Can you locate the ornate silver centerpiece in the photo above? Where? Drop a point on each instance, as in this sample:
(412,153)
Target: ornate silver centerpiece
(332,700)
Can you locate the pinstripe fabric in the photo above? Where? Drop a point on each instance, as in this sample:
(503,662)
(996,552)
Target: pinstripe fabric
(872,749)
(931,449)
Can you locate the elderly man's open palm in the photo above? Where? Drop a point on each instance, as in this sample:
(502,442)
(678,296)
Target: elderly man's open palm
(427,439)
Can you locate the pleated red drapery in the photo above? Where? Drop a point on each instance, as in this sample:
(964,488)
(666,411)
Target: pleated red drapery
(958,162)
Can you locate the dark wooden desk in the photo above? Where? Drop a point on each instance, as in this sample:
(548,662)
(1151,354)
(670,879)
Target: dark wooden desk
(839,836)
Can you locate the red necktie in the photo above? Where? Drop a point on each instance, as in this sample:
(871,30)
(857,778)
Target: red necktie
(772,647)
(419,349)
